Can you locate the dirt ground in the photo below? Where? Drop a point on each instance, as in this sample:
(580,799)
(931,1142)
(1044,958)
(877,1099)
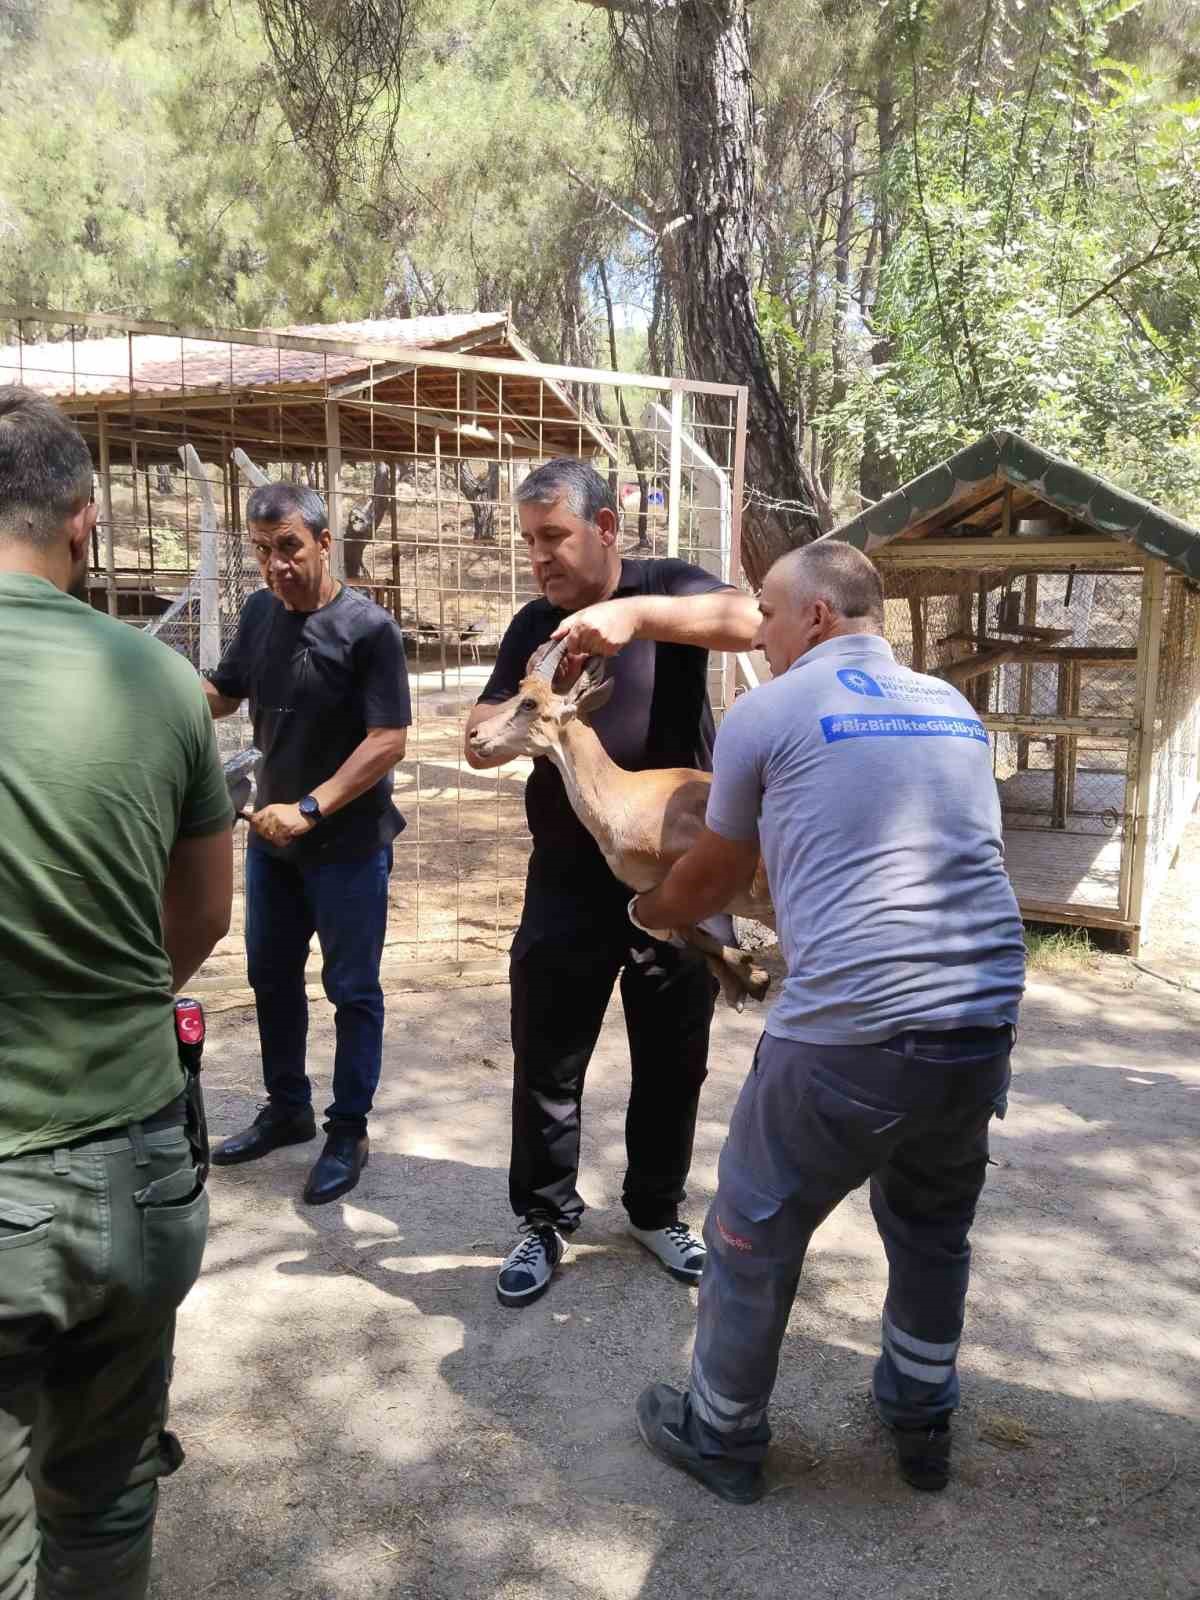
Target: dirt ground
(363,1419)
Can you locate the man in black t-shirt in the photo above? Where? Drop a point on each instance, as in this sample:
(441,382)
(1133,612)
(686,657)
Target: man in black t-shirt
(657,620)
(323,669)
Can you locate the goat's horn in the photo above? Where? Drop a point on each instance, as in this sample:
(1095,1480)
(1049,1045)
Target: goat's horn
(548,665)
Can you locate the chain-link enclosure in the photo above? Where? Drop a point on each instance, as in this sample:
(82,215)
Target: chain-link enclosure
(1175,770)
(417,434)
(1049,658)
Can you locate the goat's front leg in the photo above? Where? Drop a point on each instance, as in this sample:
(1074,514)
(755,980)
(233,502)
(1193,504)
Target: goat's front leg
(733,969)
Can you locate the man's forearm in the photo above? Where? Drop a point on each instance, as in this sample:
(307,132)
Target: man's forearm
(364,766)
(723,620)
(702,882)
(219,705)
(197,901)
(188,941)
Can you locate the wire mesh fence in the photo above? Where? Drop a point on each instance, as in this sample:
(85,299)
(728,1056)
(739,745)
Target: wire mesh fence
(1175,782)
(417,435)
(1049,660)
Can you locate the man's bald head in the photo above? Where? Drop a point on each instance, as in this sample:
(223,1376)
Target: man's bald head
(837,573)
(818,592)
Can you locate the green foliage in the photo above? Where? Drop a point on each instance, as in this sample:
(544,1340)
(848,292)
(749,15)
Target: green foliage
(151,168)
(968,216)
(146,172)
(1048,278)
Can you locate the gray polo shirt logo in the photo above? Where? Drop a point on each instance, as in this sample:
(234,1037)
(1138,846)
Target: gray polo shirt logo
(859,682)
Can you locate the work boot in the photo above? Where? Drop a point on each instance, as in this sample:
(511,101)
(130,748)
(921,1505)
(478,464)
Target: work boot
(530,1264)
(677,1247)
(273,1127)
(662,1423)
(338,1167)
(923,1455)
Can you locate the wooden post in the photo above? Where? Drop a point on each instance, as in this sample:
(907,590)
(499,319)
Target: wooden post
(1025,694)
(916,613)
(1149,645)
(110,542)
(980,692)
(333,467)
(209,652)
(1005,529)
(1058,803)
(437,502)
(395,541)
(149,531)
(676,477)
(1072,670)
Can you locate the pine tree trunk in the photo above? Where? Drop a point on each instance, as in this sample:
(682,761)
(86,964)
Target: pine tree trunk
(708,262)
(480,491)
(877,471)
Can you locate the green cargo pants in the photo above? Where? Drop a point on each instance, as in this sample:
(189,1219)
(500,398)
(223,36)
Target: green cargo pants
(98,1247)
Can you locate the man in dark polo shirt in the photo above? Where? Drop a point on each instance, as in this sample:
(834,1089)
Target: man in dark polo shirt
(116,878)
(323,669)
(657,620)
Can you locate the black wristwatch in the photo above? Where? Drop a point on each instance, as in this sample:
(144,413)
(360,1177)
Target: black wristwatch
(309,808)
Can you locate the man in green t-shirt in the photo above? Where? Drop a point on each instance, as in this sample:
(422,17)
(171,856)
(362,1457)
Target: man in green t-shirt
(115,883)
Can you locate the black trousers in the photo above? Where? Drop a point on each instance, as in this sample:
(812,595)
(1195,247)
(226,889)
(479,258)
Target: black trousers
(560,989)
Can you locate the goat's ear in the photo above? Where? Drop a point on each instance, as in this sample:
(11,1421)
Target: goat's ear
(593,698)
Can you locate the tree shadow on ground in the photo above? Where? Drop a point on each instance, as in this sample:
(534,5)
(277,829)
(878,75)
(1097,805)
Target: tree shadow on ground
(362,1417)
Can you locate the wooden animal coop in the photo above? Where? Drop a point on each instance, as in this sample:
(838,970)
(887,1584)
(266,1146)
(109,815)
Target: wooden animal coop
(1068,613)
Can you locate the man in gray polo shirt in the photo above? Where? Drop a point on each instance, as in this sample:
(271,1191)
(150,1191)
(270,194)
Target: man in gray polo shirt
(869,790)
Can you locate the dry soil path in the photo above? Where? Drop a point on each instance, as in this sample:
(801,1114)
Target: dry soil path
(363,1419)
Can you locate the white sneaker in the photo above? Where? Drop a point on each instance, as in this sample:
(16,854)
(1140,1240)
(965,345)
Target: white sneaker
(530,1265)
(677,1247)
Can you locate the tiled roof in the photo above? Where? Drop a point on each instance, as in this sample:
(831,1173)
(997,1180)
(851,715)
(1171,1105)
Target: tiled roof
(165,364)
(948,494)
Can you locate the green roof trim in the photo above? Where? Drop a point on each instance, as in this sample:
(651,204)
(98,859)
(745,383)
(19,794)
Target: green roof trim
(1013,460)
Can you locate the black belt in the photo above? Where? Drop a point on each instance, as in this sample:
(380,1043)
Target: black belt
(172,1115)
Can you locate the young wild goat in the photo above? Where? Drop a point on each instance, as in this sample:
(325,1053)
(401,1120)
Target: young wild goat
(642,821)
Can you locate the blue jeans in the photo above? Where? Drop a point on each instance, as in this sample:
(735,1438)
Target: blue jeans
(345,903)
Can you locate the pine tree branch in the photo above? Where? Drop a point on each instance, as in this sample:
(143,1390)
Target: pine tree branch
(607,200)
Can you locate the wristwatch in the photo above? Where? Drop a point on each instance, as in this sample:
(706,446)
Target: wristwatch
(309,808)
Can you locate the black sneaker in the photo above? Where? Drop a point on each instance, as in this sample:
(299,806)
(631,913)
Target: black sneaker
(660,1421)
(923,1456)
(530,1265)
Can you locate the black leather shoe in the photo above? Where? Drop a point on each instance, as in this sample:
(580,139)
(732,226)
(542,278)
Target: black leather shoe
(271,1129)
(660,1421)
(338,1167)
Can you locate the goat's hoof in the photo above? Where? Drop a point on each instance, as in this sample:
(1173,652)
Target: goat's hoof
(752,980)
(759,983)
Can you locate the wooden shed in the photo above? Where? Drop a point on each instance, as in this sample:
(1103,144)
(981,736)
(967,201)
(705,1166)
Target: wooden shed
(1068,612)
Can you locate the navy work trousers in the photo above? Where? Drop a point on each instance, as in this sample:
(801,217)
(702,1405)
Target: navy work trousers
(345,903)
(812,1123)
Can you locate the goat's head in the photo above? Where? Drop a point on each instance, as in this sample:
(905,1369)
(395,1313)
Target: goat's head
(531,723)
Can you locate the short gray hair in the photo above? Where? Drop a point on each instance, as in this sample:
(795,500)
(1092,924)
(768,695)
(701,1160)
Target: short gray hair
(45,467)
(271,503)
(836,572)
(587,494)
